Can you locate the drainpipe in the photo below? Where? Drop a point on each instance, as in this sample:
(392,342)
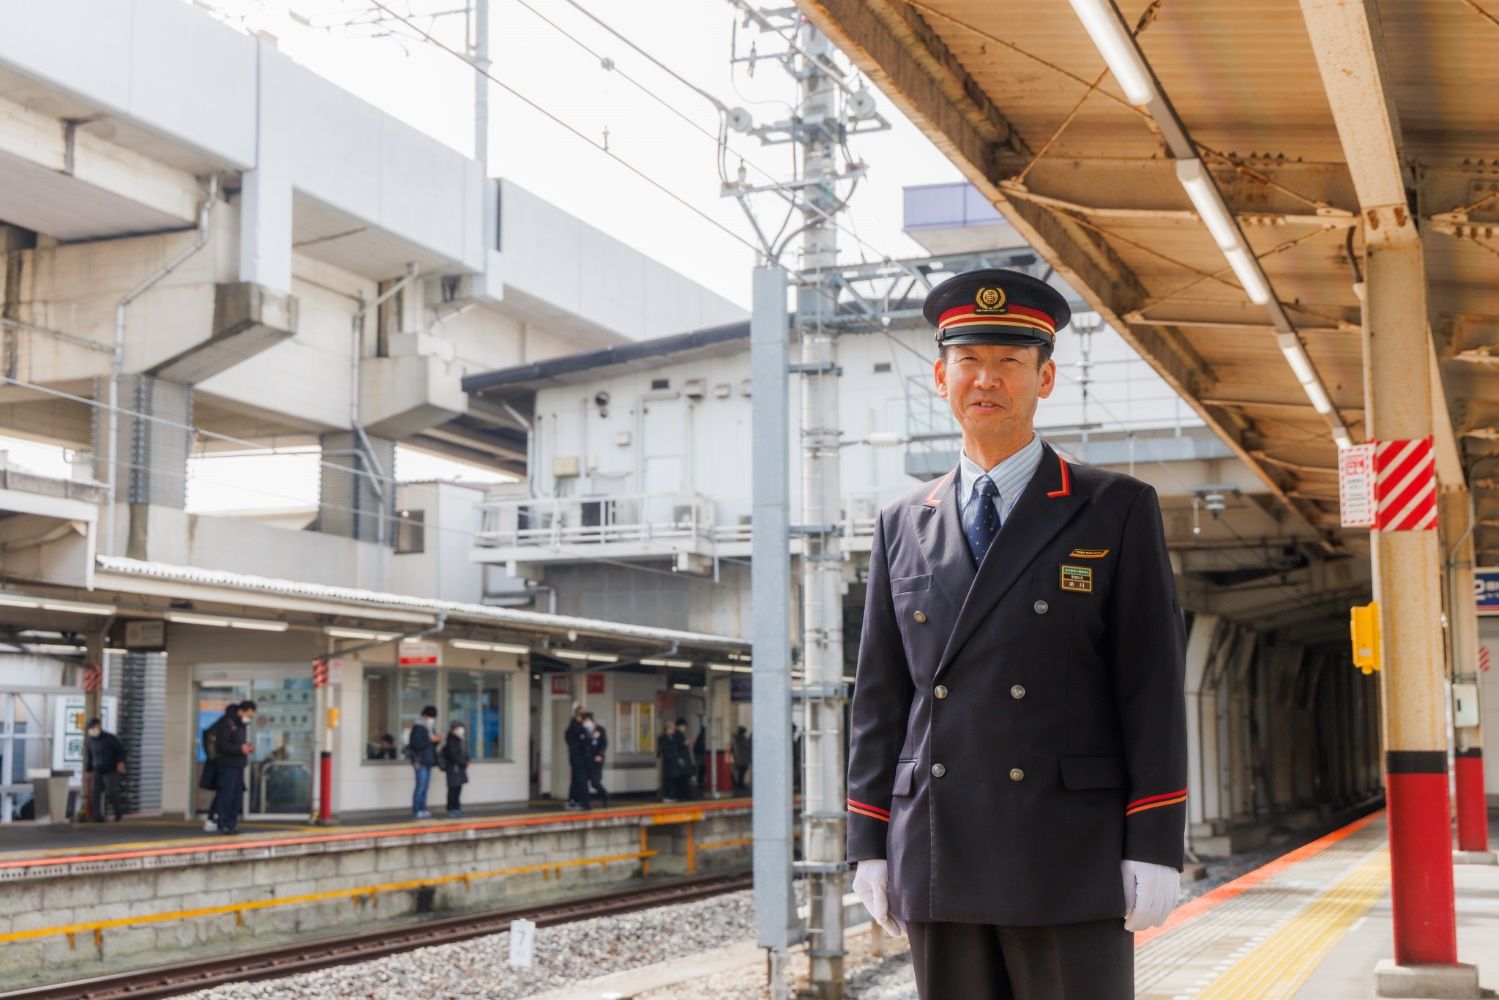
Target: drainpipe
(356,331)
(117,355)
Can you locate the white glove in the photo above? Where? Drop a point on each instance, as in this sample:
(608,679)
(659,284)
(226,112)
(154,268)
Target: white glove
(871,880)
(1150,893)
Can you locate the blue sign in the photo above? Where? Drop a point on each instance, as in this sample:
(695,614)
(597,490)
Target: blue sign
(1486,590)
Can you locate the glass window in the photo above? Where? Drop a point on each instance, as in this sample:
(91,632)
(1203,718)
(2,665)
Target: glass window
(411,532)
(480,699)
(418,690)
(382,740)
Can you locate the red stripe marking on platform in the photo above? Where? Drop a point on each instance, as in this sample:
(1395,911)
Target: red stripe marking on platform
(213,846)
(1194,908)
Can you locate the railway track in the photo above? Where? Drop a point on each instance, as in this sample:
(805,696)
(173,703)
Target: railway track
(273,963)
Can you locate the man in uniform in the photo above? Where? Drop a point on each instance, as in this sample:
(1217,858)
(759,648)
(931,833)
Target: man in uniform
(1017,765)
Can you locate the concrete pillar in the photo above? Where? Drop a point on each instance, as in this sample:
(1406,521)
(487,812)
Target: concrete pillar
(1407,585)
(1462,619)
(265,199)
(154,439)
(1201,725)
(356,488)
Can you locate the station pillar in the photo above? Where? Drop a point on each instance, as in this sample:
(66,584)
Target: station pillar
(1462,623)
(1408,569)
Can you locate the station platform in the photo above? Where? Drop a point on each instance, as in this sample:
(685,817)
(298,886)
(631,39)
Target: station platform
(1311,925)
(22,841)
(102,898)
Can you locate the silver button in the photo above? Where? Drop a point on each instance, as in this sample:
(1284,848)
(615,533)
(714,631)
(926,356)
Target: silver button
(940,691)
(1017,692)
(920,616)
(1016,774)
(938,770)
(1041,607)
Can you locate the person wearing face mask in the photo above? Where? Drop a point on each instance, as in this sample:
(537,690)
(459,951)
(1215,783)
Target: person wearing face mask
(455,760)
(421,747)
(596,742)
(1017,764)
(234,749)
(104,757)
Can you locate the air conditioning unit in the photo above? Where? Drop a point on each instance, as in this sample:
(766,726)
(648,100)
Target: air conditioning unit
(695,388)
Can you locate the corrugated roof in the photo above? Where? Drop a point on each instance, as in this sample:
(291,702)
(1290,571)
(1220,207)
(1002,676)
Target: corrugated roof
(374,600)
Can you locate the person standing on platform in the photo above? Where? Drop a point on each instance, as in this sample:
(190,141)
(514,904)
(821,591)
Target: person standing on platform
(679,766)
(208,778)
(104,758)
(742,751)
(421,747)
(1017,762)
(235,748)
(596,744)
(664,753)
(576,738)
(455,761)
(700,760)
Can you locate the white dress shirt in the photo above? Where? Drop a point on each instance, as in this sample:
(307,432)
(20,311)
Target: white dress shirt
(1010,477)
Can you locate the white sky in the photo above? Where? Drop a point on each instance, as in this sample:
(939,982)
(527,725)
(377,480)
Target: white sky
(434,91)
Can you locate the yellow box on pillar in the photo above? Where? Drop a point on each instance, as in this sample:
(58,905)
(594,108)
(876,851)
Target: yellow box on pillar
(1363,625)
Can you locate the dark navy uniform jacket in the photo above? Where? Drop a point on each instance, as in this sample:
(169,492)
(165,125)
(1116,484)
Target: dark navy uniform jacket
(1019,727)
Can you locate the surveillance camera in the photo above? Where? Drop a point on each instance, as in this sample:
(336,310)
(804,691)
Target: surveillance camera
(601,399)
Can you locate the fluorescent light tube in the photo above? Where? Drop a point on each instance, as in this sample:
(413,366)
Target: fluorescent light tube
(79,607)
(1318,395)
(682,687)
(666,663)
(17,601)
(358,633)
(1117,48)
(1247,270)
(1340,435)
(1208,202)
(488,647)
(259,626)
(572,654)
(1301,365)
(184,618)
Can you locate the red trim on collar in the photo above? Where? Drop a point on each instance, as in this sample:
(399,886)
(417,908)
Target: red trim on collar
(934,497)
(1066,489)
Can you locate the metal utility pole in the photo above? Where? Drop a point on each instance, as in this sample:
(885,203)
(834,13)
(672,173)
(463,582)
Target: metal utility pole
(824,697)
(828,110)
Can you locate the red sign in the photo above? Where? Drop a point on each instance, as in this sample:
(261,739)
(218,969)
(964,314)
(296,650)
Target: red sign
(93,677)
(562,684)
(595,683)
(320,673)
(419,653)
(1356,486)
(1405,485)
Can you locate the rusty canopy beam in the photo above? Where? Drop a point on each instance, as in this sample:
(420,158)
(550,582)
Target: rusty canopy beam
(902,56)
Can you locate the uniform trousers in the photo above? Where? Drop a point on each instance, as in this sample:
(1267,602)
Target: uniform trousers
(1087,961)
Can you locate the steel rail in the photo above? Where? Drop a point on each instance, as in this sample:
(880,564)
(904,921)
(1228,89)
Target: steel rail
(291,959)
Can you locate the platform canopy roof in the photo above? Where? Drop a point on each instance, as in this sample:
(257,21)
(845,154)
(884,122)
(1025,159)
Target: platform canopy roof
(1305,116)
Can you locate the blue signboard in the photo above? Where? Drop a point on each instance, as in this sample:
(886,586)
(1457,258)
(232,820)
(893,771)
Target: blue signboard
(1486,590)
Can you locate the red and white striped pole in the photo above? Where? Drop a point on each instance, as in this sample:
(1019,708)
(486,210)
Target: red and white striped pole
(1408,570)
(1468,663)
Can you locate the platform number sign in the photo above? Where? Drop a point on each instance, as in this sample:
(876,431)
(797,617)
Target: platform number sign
(522,942)
(1486,590)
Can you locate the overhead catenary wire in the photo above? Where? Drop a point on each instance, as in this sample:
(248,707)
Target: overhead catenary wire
(552,117)
(719,138)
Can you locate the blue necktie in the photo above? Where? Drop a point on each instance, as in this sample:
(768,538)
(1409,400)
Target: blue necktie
(981,519)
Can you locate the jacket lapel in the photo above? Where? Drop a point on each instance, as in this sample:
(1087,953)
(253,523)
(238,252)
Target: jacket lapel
(940,530)
(1044,508)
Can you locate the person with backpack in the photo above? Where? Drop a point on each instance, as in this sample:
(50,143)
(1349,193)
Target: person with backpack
(454,758)
(208,778)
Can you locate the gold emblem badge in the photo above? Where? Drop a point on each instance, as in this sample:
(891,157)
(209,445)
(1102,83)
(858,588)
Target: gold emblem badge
(990,299)
(1078,579)
(1088,553)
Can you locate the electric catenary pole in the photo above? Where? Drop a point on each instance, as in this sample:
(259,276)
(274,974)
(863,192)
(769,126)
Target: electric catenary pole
(828,109)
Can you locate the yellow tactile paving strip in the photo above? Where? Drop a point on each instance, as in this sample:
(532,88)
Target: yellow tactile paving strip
(1265,941)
